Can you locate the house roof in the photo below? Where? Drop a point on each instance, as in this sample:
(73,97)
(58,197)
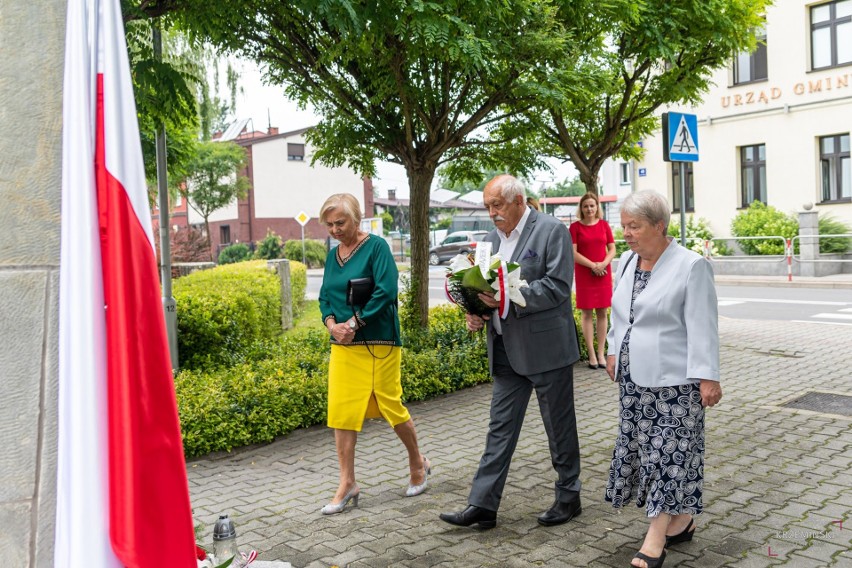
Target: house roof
(250,138)
(472,197)
(433,203)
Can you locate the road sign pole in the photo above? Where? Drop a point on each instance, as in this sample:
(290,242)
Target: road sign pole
(680,144)
(302,219)
(683,204)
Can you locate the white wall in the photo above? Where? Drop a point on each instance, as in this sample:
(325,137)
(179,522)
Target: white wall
(283,188)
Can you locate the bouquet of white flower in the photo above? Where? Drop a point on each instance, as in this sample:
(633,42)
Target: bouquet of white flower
(468,276)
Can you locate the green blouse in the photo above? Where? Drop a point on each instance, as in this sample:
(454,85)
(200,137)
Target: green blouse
(378,321)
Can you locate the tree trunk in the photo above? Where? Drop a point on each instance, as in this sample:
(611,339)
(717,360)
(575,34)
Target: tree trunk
(419,185)
(589,177)
(209,240)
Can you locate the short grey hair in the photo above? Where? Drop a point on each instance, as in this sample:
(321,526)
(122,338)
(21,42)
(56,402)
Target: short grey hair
(509,187)
(648,205)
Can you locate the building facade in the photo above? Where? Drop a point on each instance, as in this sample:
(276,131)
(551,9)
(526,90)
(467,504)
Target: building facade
(775,126)
(283,185)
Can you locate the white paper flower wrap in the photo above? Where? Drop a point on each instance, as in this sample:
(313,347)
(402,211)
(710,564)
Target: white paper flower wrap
(465,280)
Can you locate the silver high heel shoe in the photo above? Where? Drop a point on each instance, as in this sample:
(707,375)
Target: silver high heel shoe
(335,508)
(414,490)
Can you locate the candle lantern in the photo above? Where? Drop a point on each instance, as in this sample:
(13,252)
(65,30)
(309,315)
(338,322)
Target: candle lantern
(224,539)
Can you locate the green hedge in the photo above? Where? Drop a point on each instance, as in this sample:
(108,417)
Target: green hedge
(222,311)
(282,387)
(234,253)
(281,384)
(275,384)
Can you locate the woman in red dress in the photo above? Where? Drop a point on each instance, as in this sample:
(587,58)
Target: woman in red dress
(594,249)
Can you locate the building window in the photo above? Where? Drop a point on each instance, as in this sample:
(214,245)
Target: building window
(752,66)
(690,190)
(296,152)
(225,234)
(753,174)
(835,173)
(624,173)
(831,34)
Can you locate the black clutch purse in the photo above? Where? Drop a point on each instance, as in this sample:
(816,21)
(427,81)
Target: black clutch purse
(359,290)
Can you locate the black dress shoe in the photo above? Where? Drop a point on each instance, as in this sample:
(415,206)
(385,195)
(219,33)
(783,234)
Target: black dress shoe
(560,513)
(472,515)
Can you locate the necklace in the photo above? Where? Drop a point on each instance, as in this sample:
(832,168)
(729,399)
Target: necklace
(341,259)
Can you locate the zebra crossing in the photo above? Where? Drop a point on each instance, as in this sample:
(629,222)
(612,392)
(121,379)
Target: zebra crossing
(807,311)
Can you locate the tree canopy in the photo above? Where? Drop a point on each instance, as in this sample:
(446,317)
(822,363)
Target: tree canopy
(637,56)
(417,83)
(476,85)
(212,180)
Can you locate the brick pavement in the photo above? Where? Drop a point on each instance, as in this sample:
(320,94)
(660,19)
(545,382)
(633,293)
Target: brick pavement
(777,480)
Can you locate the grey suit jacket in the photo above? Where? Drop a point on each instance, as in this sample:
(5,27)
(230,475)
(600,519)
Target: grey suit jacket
(541,336)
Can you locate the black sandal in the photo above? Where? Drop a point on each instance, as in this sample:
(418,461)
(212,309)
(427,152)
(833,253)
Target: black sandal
(684,536)
(651,561)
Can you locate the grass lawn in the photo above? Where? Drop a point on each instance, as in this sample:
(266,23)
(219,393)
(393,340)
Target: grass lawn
(309,320)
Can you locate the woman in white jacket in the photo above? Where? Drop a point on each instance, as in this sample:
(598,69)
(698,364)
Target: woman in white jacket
(663,348)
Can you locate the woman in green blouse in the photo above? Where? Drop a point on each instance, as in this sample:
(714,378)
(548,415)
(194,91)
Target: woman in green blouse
(364,369)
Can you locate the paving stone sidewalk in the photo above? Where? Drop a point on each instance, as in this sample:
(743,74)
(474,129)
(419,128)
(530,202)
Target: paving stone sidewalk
(777,488)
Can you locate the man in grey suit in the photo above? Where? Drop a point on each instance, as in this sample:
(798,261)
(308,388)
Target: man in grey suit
(532,348)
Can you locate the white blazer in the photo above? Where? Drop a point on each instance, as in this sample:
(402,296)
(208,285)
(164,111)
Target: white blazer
(675,335)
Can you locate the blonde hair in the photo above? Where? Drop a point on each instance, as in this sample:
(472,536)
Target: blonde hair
(589,195)
(533,202)
(346,202)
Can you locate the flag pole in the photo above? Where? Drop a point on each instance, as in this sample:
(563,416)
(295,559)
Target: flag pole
(169,304)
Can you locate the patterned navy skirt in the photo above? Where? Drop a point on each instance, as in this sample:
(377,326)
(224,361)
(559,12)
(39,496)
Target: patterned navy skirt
(658,458)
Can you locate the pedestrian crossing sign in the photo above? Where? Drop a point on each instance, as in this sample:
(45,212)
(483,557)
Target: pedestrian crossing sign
(680,137)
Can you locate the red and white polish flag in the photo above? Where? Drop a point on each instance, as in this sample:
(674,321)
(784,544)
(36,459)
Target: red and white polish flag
(122,491)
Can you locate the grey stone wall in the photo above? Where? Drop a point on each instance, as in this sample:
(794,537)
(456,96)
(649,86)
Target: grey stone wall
(32,43)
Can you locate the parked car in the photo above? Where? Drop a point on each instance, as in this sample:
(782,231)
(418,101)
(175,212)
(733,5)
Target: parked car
(460,242)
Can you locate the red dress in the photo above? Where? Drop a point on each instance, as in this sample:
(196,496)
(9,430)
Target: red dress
(592,240)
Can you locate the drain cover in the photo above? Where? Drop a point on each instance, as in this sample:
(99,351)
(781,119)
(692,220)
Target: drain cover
(823,402)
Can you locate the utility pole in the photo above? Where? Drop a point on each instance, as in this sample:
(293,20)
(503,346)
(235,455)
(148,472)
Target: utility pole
(169,304)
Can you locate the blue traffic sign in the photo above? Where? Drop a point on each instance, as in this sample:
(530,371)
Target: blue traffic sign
(680,137)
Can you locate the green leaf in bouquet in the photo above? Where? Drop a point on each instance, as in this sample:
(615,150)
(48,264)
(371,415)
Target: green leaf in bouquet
(473,278)
(510,266)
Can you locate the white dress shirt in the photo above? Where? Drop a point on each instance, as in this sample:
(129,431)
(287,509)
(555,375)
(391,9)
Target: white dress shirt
(508,243)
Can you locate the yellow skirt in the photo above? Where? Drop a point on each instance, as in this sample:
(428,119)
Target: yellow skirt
(361,386)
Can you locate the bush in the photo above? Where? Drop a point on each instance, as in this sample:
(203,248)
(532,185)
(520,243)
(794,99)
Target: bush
(828,225)
(281,383)
(697,231)
(234,253)
(284,388)
(270,247)
(620,247)
(222,311)
(315,252)
(761,220)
